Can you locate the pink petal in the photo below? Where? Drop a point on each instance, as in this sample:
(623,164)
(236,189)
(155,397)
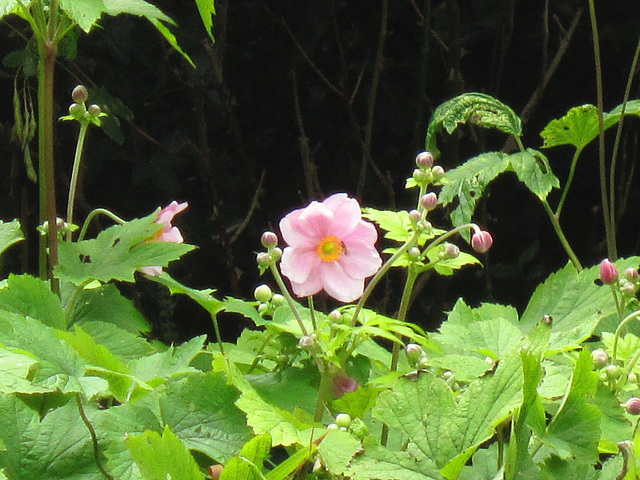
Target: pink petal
(311,286)
(152,271)
(167,213)
(305,227)
(298,263)
(364,233)
(339,284)
(171,235)
(361,262)
(346,213)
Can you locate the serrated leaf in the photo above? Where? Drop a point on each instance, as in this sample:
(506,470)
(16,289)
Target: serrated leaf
(58,447)
(10,232)
(468,181)
(163,457)
(575,303)
(247,465)
(397,225)
(32,297)
(163,365)
(378,463)
(107,305)
(477,108)
(14,372)
(122,343)
(203,298)
(580,125)
(207,10)
(337,449)
(117,253)
(84,12)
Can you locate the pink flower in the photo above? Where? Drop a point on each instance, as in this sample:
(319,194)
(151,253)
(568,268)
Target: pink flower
(329,248)
(168,233)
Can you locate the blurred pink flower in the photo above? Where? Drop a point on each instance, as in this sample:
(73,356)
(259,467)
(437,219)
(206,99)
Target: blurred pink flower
(329,248)
(168,233)
(343,384)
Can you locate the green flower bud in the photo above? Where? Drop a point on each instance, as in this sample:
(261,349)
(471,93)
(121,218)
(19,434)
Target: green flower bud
(278,300)
(414,353)
(264,259)
(276,253)
(343,420)
(306,341)
(600,358)
(437,172)
(612,372)
(94,111)
(335,316)
(262,293)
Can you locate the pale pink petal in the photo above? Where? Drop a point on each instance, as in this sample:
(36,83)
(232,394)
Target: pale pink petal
(346,213)
(167,213)
(298,263)
(171,235)
(151,271)
(293,231)
(360,262)
(364,233)
(317,220)
(311,286)
(338,284)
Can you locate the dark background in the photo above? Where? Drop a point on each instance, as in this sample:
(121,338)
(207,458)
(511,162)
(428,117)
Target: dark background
(285,106)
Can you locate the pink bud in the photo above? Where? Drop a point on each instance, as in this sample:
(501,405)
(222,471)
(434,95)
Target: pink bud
(429,201)
(414,216)
(343,384)
(424,160)
(437,172)
(269,239)
(481,241)
(608,272)
(631,274)
(80,94)
(633,406)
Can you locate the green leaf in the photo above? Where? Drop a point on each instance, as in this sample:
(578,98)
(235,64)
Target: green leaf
(337,449)
(7,6)
(476,108)
(580,125)
(575,303)
(468,181)
(11,232)
(397,225)
(207,10)
(200,410)
(574,431)
(378,463)
(123,344)
(163,365)
(84,12)
(163,457)
(58,367)
(247,465)
(117,253)
(293,463)
(32,297)
(58,447)
(201,297)
(14,373)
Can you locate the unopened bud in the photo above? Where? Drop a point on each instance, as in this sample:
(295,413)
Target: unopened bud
(450,251)
(437,173)
(276,253)
(612,372)
(424,160)
(631,274)
(278,300)
(343,420)
(94,110)
(264,259)
(262,293)
(335,316)
(264,309)
(429,201)
(80,94)
(76,110)
(633,406)
(414,253)
(414,216)
(414,353)
(306,341)
(481,241)
(269,239)
(600,358)
(608,272)
(628,288)
(420,176)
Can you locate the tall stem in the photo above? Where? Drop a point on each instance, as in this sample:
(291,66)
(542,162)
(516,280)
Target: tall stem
(606,208)
(565,191)
(563,239)
(74,175)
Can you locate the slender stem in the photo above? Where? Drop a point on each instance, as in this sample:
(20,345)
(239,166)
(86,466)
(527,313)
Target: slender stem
(285,293)
(616,145)
(606,209)
(561,236)
(92,214)
(323,393)
(565,191)
(77,159)
(312,313)
(623,323)
(94,439)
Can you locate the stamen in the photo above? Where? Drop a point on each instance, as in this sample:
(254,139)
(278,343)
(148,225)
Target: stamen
(329,249)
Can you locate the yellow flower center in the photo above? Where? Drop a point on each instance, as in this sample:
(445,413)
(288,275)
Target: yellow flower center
(330,248)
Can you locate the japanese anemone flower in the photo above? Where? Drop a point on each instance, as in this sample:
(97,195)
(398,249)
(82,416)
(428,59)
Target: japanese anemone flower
(329,248)
(169,233)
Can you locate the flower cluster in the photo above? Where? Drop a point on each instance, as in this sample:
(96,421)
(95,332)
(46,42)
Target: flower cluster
(628,283)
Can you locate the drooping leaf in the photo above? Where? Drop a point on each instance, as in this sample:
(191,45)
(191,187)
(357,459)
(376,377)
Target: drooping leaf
(203,298)
(117,253)
(14,373)
(32,297)
(10,232)
(207,11)
(160,457)
(477,108)
(247,465)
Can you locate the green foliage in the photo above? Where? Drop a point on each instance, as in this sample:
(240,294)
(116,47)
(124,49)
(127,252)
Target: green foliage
(476,108)
(467,183)
(207,10)
(10,233)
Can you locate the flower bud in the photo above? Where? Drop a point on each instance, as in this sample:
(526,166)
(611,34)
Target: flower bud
(343,420)
(414,253)
(632,378)
(269,239)
(450,251)
(423,363)
(94,111)
(608,272)
(76,110)
(600,358)
(306,341)
(276,253)
(335,316)
(631,274)
(429,201)
(414,353)
(264,309)
(633,406)
(628,288)
(420,176)
(437,173)
(612,372)
(264,259)
(481,241)
(343,384)
(424,160)
(80,94)
(332,426)
(414,216)
(278,300)
(262,293)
